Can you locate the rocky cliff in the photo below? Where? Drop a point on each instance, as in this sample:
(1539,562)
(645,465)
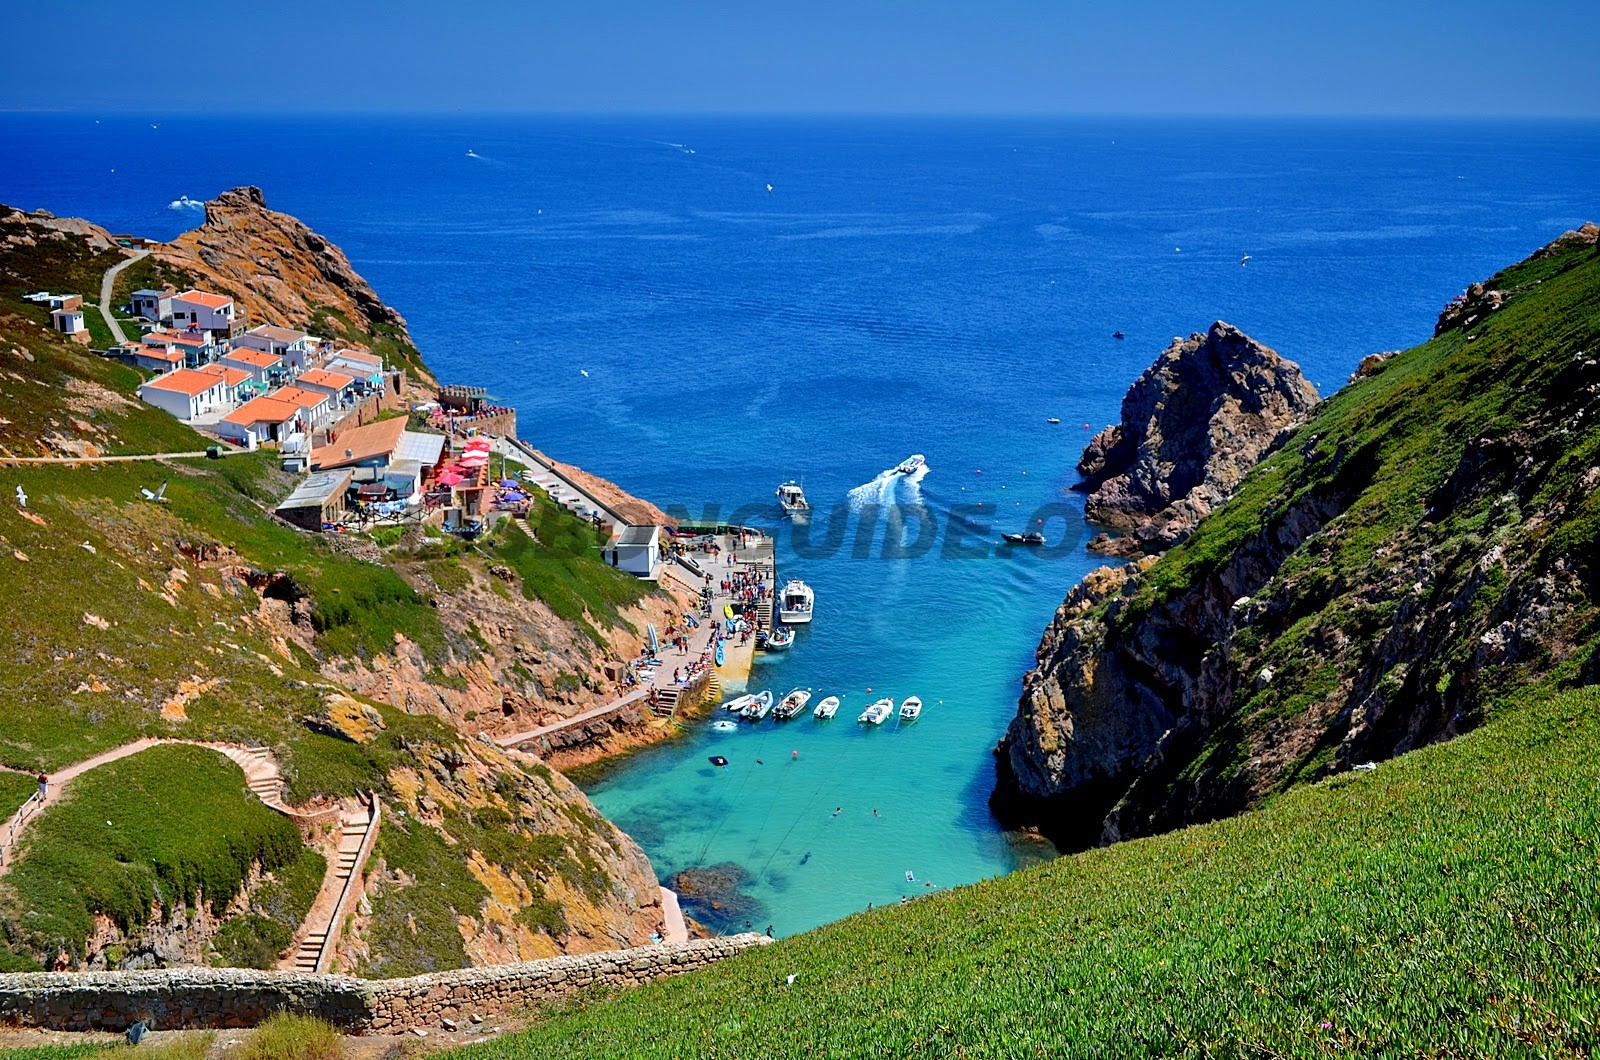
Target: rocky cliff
(1197,419)
(1422,546)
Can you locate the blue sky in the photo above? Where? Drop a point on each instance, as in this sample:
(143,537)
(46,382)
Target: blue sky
(1358,57)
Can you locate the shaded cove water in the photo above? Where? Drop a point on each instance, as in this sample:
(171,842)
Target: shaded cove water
(904,286)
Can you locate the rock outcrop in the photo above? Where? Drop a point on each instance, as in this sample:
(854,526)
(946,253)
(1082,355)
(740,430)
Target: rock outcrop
(1422,545)
(281,272)
(1197,419)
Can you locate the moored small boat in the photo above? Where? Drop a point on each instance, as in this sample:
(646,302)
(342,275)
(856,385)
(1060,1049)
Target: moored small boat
(795,602)
(792,704)
(778,640)
(877,713)
(911,709)
(737,704)
(826,709)
(759,708)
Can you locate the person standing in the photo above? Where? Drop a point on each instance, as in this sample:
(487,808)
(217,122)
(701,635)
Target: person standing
(44,787)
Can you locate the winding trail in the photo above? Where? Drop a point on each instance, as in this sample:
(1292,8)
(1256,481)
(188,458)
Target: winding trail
(104,459)
(107,283)
(313,947)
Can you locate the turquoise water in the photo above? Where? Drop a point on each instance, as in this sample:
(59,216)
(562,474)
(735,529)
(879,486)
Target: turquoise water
(906,286)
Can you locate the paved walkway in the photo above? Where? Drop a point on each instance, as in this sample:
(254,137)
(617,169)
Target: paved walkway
(108,283)
(106,459)
(577,719)
(672,916)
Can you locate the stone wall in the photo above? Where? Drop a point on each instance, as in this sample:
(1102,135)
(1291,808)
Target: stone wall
(183,998)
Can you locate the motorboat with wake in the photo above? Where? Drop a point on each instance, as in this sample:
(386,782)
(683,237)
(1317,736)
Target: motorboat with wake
(795,602)
(1031,538)
(911,709)
(792,499)
(758,708)
(792,704)
(826,709)
(911,464)
(877,713)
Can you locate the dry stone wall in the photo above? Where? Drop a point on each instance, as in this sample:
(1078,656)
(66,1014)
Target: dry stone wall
(184,998)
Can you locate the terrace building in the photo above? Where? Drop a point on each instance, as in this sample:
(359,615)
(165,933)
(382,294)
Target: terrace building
(186,393)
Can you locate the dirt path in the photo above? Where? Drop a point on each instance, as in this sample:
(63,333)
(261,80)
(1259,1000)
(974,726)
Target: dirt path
(108,283)
(100,459)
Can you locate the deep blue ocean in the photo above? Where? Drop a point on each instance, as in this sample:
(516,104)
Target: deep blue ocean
(940,287)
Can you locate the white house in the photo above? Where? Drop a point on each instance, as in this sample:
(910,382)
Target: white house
(191,347)
(186,393)
(364,366)
(292,347)
(211,313)
(262,419)
(637,550)
(315,404)
(258,363)
(70,322)
(152,304)
(232,379)
(335,384)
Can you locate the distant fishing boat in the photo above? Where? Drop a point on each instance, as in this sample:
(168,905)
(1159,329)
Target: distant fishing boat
(826,709)
(1053,419)
(1118,335)
(911,464)
(792,499)
(1034,538)
(911,709)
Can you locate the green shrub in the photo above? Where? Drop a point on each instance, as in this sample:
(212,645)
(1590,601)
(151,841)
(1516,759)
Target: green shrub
(290,1037)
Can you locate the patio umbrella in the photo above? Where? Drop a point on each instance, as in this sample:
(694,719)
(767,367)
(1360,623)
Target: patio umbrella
(482,444)
(510,483)
(474,462)
(451,478)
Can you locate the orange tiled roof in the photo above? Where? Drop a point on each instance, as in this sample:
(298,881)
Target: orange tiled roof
(176,338)
(210,301)
(362,443)
(259,358)
(263,409)
(185,381)
(318,377)
(308,399)
(230,375)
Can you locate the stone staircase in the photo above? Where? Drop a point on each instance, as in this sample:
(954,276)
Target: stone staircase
(314,952)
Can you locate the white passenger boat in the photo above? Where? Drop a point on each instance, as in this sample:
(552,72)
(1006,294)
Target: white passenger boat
(737,704)
(792,499)
(910,709)
(758,708)
(911,464)
(795,602)
(792,704)
(878,713)
(826,709)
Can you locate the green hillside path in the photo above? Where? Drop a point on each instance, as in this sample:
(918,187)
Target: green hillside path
(107,283)
(311,950)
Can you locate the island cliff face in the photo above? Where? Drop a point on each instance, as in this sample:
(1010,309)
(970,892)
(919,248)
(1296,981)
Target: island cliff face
(1198,418)
(1412,551)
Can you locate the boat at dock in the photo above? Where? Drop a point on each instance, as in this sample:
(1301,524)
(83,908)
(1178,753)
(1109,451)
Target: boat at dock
(738,703)
(795,602)
(877,713)
(1034,538)
(758,708)
(826,709)
(911,464)
(911,709)
(792,499)
(778,640)
(792,704)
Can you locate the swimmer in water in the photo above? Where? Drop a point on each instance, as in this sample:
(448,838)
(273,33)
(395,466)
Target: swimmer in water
(838,810)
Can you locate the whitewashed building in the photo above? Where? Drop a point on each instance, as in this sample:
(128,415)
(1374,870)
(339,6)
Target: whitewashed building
(185,393)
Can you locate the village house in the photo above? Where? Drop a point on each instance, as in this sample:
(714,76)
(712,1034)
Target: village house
(261,419)
(158,348)
(260,364)
(234,380)
(67,318)
(152,305)
(185,393)
(367,368)
(337,386)
(635,549)
(211,313)
(317,501)
(290,346)
(388,461)
(316,404)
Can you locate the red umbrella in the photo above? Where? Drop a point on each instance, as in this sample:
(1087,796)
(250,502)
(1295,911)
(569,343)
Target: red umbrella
(481,444)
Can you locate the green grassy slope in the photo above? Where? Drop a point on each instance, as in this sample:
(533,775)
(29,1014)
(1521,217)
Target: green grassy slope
(1447,903)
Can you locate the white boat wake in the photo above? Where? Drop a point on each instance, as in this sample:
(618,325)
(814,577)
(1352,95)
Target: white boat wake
(881,490)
